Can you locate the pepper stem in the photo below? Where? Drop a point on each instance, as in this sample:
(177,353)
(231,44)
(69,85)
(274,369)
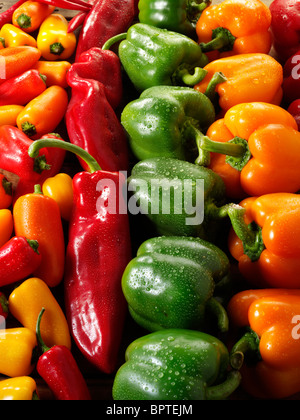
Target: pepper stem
(222,40)
(215,308)
(250,235)
(199,6)
(33,244)
(217,78)
(35,147)
(57,48)
(224,390)
(247,346)
(40,341)
(24,21)
(192,79)
(113,40)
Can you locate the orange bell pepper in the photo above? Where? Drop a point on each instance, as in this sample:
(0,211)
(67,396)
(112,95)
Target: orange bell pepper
(15,37)
(6,226)
(250,78)
(235,27)
(9,114)
(55,72)
(43,114)
(5,192)
(17,60)
(60,188)
(271,136)
(26,303)
(30,15)
(22,388)
(38,217)
(269,350)
(265,240)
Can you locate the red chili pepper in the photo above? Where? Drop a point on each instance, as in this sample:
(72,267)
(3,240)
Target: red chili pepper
(60,371)
(22,89)
(91,121)
(294,109)
(19,258)
(98,252)
(69,4)
(3,308)
(291,79)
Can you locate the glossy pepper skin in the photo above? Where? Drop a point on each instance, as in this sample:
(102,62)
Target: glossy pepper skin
(291,79)
(259,127)
(294,110)
(6,226)
(265,240)
(197,369)
(9,114)
(98,231)
(161,122)
(13,36)
(154,57)
(22,388)
(188,269)
(250,78)
(60,188)
(30,15)
(55,72)
(269,349)
(18,60)
(175,15)
(38,217)
(286,37)
(195,183)
(92,124)
(19,257)
(235,27)
(60,371)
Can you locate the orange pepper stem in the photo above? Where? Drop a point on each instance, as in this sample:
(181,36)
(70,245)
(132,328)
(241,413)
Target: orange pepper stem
(217,78)
(42,346)
(246,348)
(222,40)
(24,21)
(250,235)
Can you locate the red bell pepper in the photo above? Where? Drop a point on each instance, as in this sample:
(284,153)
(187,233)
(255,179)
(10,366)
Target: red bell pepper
(22,89)
(294,109)
(285,27)
(91,121)
(60,371)
(98,252)
(19,258)
(291,79)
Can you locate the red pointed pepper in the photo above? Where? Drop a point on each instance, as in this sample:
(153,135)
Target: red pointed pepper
(97,254)
(60,371)
(19,258)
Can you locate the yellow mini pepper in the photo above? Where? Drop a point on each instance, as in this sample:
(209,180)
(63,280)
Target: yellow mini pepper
(53,40)
(60,188)
(16,37)
(27,301)
(9,114)
(21,388)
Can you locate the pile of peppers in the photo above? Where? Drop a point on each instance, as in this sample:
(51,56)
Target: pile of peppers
(149,200)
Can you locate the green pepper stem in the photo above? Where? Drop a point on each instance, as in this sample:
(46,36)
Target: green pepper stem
(250,235)
(199,6)
(215,308)
(33,244)
(222,40)
(24,21)
(217,78)
(192,79)
(35,147)
(113,40)
(247,346)
(224,390)
(40,341)
(57,48)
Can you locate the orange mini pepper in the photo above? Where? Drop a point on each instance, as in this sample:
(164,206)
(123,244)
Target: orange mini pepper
(16,37)
(9,114)
(5,192)
(55,72)
(43,114)
(269,348)
(249,78)
(22,388)
(60,188)
(26,303)
(235,27)
(6,226)
(265,240)
(17,60)
(270,136)
(38,217)
(30,15)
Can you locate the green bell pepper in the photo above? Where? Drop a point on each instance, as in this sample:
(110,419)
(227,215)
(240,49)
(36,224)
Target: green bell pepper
(171,283)
(178,197)
(175,15)
(166,120)
(154,57)
(176,364)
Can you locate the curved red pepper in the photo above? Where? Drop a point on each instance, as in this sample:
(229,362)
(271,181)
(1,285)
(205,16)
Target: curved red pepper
(60,371)
(98,252)
(19,258)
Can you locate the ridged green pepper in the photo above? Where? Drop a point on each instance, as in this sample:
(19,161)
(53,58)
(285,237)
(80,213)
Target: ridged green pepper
(176,364)
(153,57)
(179,198)
(164,121)
(175,15)
(171,284)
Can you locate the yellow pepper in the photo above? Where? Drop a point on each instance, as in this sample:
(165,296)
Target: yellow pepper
(16,37)
(17,347)
(27,301)
(9,114)
(53,40)
(60,188)
(21,388)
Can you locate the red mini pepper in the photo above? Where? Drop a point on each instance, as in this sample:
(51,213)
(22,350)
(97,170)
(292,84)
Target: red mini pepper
(294,110)
(91,121)
(19,258)
(98,252)
(60,371)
